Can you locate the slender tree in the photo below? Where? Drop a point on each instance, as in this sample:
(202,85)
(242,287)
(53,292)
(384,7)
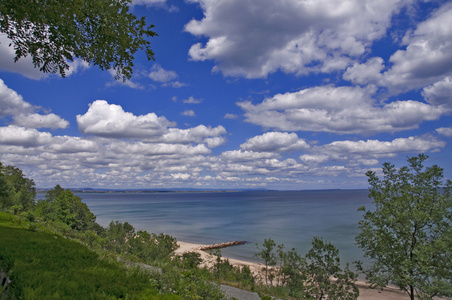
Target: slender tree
(408,234)
(268,255)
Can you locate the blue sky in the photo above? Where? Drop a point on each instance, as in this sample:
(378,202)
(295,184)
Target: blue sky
(294,94)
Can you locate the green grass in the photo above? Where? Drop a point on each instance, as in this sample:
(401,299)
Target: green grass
(48,266)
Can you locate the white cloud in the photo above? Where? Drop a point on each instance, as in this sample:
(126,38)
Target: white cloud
(161,75)
(243,156)
(339,110)
(365,73)
(20,136)
(192,135)
(374,147)
(165,77)
(110,120)
(128,83)
(175,84)
(40,121)
(439,93)
(230,116)
(428,54)
(192,100)
(215,141)
(367,152)
(188,113)
(426,57)
(68,144)
(12,103)
(23,113)
(446,131)
(252,39)
(157,149)
(275,142)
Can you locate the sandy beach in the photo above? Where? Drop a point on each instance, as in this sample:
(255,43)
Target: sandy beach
(365,293)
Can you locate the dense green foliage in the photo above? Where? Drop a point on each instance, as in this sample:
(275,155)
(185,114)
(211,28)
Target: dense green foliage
(62,206)
(17,193)
(408,236)
(318,275)
(53,32)
(48,266)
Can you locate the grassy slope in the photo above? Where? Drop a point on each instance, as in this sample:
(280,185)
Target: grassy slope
(47,266)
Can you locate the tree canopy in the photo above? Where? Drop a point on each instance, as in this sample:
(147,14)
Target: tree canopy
(408,235)
(17,192)
(53,32)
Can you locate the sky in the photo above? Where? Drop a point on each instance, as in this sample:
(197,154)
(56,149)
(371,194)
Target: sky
(243,94)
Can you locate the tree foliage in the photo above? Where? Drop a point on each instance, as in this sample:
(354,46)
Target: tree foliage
(17,192)
(267,254)
(326,279)
(317,275)
(53,32)
(408,236)
(63,206)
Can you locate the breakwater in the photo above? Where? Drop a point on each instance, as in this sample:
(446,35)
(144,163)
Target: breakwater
(221,245)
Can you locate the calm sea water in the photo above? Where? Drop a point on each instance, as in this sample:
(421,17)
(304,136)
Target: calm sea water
(291,218)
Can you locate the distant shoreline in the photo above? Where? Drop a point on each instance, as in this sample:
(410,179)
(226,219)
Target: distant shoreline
(139,191)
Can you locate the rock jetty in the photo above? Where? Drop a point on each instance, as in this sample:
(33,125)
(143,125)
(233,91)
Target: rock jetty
(220,245)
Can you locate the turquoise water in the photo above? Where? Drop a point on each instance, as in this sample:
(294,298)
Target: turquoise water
(291,218)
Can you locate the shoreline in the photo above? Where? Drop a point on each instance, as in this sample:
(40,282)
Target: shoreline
(365,292)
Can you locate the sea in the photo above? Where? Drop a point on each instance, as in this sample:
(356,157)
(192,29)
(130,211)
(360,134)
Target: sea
(291,218)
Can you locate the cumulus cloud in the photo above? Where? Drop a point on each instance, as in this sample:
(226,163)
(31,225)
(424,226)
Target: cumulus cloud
(275,142)
(12,103)
(110,120)
(367,152)
(339,110)
(439,93)
(69,144)
(426,57)
(252,39)
(191,135)
(158,149)
(40,121)
(20,136)
(428,54)
(23,113)
(365,73)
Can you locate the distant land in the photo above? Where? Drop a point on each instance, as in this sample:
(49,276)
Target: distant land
(179,190)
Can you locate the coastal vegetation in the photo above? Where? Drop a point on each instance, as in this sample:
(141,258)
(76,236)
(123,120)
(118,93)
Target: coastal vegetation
(408,234)
(53,248)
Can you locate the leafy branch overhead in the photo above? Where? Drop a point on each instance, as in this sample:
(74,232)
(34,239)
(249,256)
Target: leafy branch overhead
(54,32)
